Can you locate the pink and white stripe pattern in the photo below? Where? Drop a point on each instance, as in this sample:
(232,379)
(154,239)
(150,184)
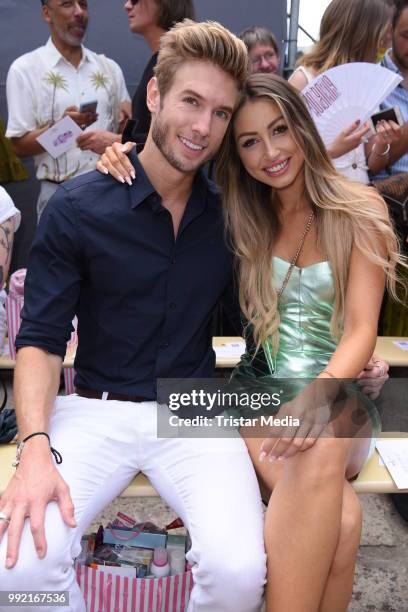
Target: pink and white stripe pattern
(14,305)
(69,375)
(104,592)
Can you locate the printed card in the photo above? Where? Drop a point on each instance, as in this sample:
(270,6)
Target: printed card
(61,137)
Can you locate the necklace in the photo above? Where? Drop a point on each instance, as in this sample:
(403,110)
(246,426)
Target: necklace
(296,256)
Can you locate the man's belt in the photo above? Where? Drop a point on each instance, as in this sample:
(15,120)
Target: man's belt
(120,397)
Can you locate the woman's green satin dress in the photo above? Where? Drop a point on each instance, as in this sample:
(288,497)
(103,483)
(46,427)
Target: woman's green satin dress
(305,342)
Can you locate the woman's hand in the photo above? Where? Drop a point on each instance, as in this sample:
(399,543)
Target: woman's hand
(312,409)
(115,161)
(348,139)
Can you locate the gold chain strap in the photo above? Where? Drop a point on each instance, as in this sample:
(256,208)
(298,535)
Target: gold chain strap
(296,256)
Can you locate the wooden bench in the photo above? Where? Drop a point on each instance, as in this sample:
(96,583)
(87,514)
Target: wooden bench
(385,348)
(373,478)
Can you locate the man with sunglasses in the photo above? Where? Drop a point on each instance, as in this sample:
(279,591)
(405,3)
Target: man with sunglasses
(53,81)
(151,19)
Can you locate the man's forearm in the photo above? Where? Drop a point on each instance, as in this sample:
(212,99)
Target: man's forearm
(400,147)
(36,383)
(27,145)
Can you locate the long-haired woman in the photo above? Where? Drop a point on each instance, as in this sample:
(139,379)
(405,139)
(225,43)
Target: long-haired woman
(351,31)
(314,252)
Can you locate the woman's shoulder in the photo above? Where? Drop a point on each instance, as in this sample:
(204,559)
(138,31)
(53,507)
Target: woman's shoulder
(301,77)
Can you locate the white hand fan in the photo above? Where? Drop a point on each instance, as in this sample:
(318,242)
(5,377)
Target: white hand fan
(341,95)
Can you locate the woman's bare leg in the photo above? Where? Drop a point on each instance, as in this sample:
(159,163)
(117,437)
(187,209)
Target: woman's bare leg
(311,560)
(302,523)
(339,586)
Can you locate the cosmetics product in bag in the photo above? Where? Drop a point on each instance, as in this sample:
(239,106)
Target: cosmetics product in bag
(160,566)
(177,561)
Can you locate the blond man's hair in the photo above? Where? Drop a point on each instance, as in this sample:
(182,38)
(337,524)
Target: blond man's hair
(207,41)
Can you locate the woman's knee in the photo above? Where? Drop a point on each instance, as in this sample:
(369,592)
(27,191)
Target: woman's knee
(322,464)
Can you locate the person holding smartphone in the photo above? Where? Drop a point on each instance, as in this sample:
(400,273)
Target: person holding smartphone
(352,31)
(46,84)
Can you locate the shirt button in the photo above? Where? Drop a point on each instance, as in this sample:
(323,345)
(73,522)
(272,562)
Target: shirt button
(172,306)
(354,166)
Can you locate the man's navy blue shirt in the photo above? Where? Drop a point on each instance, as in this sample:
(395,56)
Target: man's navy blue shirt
(106,252)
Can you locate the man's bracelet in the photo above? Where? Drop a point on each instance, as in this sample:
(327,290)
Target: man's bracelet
(384,153)
(20,446)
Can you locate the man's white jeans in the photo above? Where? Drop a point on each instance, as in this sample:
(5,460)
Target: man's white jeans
(210,483)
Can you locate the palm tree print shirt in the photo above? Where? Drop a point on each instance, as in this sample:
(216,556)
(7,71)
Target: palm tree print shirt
(42,84)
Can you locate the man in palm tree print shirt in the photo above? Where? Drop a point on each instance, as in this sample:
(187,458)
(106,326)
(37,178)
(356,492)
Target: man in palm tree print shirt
(53,81)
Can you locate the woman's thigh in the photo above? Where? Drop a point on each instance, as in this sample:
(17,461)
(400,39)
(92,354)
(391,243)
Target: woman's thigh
(325,458)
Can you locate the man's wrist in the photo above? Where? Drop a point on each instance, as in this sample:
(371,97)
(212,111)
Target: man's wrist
(39,448)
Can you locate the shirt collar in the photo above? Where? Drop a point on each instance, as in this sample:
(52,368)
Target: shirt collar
(54,56)
(143,189)
(389,63)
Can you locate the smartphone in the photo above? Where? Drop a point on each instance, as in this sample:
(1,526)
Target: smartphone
(88,107)
(389,114)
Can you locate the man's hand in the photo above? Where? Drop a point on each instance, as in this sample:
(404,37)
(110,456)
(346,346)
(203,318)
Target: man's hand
(35,483)
(387,132)
(97,140)
(348,139)
(82,119)
(115,161)
(373,377)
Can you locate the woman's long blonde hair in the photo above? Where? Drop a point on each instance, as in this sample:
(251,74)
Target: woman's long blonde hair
(350,31)
(347,214)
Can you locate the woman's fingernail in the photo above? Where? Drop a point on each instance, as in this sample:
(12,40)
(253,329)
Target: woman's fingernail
(105,170)
(9,563)
(262,456)
(128,180)
(272,458)
(133,174)
(122,180)
(123,149)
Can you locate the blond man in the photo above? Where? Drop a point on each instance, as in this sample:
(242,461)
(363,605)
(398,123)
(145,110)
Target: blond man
(142,266)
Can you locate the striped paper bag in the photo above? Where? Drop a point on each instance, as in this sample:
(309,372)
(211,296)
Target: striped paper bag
(14,305)
(105,592)
(69,373)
